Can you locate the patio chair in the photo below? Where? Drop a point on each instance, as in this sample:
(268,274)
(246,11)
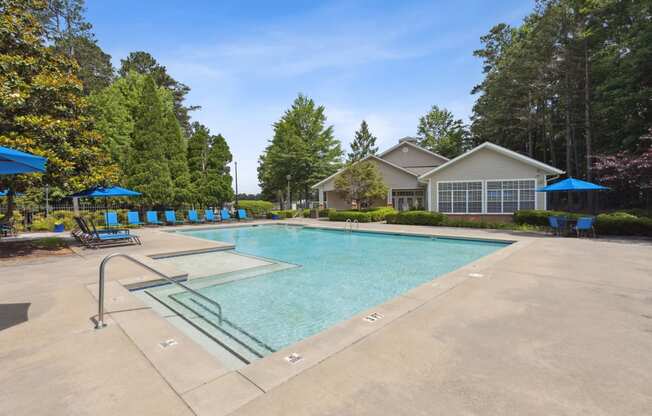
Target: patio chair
(209,216)
(242,215)
(193,218)
(225,215)
(111,219)
(152,218)
(554,225)
(89,236)
(133,218)
(585,224)
(8,228)
(562,222)
(171,218)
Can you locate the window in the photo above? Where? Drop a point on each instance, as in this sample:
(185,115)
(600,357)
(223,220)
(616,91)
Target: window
(460,197)
(504,197)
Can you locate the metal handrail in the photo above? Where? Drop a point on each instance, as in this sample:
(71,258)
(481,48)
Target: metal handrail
(348,224)
(100,313)
(357,225)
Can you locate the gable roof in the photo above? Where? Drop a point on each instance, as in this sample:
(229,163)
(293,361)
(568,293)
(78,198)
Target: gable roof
(407,143)
(362,160)
(499,149)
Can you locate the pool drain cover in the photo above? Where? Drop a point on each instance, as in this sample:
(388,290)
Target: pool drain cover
(373,317)
(168,343)
(293,358)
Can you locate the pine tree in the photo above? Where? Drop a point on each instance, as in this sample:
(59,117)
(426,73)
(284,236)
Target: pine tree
(176,155)
(208,159)
(439,132)
(363,145)
(43,110)
(148,170)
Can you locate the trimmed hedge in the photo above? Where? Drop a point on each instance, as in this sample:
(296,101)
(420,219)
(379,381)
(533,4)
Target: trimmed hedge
(621,223)
(284,214)
(416,218)
(372,215)
(617,223)
(256,208)
(323,213)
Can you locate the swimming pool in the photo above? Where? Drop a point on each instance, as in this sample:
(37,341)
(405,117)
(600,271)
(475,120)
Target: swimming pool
(329,276)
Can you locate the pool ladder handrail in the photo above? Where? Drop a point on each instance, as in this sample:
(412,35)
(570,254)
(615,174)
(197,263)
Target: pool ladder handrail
(348,225)
(100,312)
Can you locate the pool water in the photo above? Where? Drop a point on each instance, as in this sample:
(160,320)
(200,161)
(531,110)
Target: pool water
(338,275)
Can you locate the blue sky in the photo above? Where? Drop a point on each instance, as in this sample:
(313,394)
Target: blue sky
(385,62)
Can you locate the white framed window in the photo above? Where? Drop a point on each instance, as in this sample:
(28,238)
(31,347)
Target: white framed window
(508,196)
(459,197)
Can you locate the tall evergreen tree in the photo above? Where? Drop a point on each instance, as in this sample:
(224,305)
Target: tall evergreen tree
(42,108)
(208,160)
(148,170)
(176,155)
(363,145)
(144,63)
(302,147)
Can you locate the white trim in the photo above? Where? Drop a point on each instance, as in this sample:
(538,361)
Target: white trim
(429,190)
(362,160)
(396,146)
(510,153)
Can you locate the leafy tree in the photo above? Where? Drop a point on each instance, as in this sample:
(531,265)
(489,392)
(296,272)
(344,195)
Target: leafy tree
(208,160)
(148,171)
(42,108)
(144,63)
(302,147)
(363,145)
(439,132)
(70,34)
(361,182)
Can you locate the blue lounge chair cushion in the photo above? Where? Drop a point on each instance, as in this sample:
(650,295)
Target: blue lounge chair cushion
(192,216)
(224,213)
(111,219)
(242,214)
(152,217)
(133,218)
(171,218)
(209,215)
(584,223)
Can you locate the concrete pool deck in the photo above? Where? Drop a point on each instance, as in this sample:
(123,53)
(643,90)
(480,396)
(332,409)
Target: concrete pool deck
(554,326)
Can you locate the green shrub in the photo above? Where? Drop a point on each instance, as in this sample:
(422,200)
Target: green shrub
(371,215)
(416,218)
(622,223)
(256,208)
(284,214)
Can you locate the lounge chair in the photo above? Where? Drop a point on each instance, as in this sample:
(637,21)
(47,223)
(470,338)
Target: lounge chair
(111,219)
(209,216)
(91,237)
(242,215)
(152,218)
(585,224)
(225,215)
(133,218)
(193,217)
(171,218)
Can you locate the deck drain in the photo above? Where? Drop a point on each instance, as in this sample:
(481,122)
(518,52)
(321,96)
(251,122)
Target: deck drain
(476,274)
(168,343)
(293,358)
(373,317)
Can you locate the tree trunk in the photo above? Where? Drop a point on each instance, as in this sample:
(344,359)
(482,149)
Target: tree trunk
(11,206)
(587,108)
(530,139)
(569,138)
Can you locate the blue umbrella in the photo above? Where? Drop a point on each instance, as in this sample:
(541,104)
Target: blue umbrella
(105,192)
(13,162)
(572,184)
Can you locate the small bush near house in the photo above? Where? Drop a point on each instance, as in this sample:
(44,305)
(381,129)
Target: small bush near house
(256,208)
(323,213)
(416,218)
(371,215)
(539,217)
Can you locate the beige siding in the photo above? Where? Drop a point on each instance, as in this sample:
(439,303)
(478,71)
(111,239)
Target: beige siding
(394,178)
(412,158)
(333,200)
(487,164)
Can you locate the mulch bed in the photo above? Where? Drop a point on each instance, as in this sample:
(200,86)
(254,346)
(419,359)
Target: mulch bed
(28,249)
